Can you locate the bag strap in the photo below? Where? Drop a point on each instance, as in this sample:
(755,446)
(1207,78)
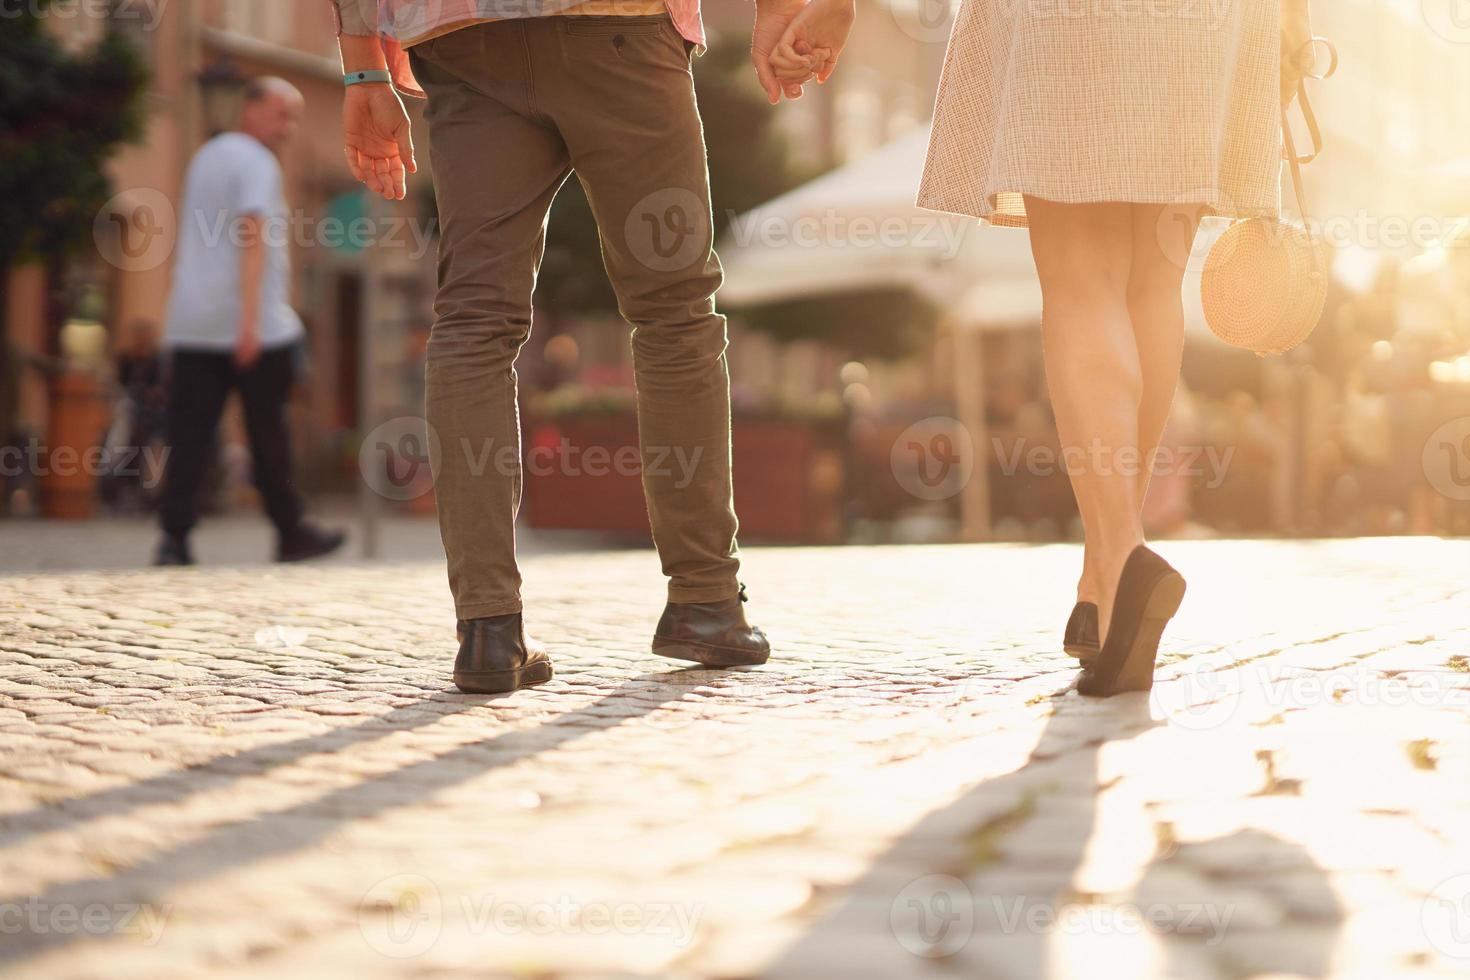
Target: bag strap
(1313,130)
(1290,150)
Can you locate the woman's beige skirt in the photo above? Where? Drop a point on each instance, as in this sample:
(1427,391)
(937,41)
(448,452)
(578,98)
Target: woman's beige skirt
(1147,101)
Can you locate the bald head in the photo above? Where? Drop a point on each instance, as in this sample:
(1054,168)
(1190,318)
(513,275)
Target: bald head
(271,111)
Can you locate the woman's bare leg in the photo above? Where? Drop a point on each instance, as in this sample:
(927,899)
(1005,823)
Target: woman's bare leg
(1162,236)
(1084,256)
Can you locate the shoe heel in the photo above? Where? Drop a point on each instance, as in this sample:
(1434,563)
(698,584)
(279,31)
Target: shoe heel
(1085,656)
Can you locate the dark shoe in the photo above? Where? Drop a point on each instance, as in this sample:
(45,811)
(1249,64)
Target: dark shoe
(496,656)
(711,633)
(308,541)
(1080,638)
(1149,593)
(173,550)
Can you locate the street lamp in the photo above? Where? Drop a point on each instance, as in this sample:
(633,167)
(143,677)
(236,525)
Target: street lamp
(220,84)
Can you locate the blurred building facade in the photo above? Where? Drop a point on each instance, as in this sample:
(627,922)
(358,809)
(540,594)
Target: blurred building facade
(1325,440)
(350,281)
(1391,184)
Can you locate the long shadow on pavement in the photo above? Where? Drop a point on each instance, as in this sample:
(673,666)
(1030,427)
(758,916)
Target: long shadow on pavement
(218,772)
(989,885)
(282,832)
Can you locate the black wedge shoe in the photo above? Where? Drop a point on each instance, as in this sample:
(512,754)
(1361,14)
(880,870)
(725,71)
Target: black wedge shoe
(1080,638)
(1149,593)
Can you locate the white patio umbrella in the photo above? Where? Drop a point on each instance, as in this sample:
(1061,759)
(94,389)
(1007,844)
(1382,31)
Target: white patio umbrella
(857,227)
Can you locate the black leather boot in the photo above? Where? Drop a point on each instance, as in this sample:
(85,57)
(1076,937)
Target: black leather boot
(496,656)
(711,633)
(173,549)
(306,541)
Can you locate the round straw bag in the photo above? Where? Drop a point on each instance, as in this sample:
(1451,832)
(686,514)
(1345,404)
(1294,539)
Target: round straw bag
(1265,279)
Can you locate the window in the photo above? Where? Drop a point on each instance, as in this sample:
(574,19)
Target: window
(265,20)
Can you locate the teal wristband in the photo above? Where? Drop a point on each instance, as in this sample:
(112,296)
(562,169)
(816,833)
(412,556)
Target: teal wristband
(361,77)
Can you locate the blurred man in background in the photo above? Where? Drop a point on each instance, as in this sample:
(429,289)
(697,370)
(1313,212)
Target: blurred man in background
(138,407)
(230,324)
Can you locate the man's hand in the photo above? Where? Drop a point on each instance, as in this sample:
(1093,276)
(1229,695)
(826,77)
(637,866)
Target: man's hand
(814,40)
(1296,38)
(247,344)
(379,144)
(771,20)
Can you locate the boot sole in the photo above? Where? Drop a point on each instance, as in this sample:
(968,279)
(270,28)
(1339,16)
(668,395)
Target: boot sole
(293,557)
(710,656)
(502,681)
(1137,672)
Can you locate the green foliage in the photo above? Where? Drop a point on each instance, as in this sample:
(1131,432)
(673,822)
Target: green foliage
(748,166)
(61,116)
(749,161)
(887,323)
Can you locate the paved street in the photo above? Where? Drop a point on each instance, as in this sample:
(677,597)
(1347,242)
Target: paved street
(266,772)
(237,539)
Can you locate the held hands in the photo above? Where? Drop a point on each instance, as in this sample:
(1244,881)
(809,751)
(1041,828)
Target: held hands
(379,144)
(772,17)
(811,39)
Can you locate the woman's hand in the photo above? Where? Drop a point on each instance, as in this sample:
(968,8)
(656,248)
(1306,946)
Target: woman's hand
(814,41)
(378,141)
(772,17)
(1296,40)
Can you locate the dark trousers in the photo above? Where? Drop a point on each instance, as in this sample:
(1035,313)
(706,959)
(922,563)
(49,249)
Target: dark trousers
(198,384)
(514,107)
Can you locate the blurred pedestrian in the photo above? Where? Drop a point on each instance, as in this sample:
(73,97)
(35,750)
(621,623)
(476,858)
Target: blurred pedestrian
(18,474)
(230,325)
(137,419)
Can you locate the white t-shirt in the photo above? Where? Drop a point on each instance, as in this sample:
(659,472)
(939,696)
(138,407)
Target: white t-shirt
(231,177)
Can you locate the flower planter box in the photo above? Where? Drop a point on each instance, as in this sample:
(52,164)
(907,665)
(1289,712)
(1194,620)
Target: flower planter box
(583,472)
(79,416)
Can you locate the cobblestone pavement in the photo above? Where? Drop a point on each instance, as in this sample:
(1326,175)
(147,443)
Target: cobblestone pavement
(265,772)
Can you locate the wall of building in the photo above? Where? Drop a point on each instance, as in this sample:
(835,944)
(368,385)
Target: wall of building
(181,41)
